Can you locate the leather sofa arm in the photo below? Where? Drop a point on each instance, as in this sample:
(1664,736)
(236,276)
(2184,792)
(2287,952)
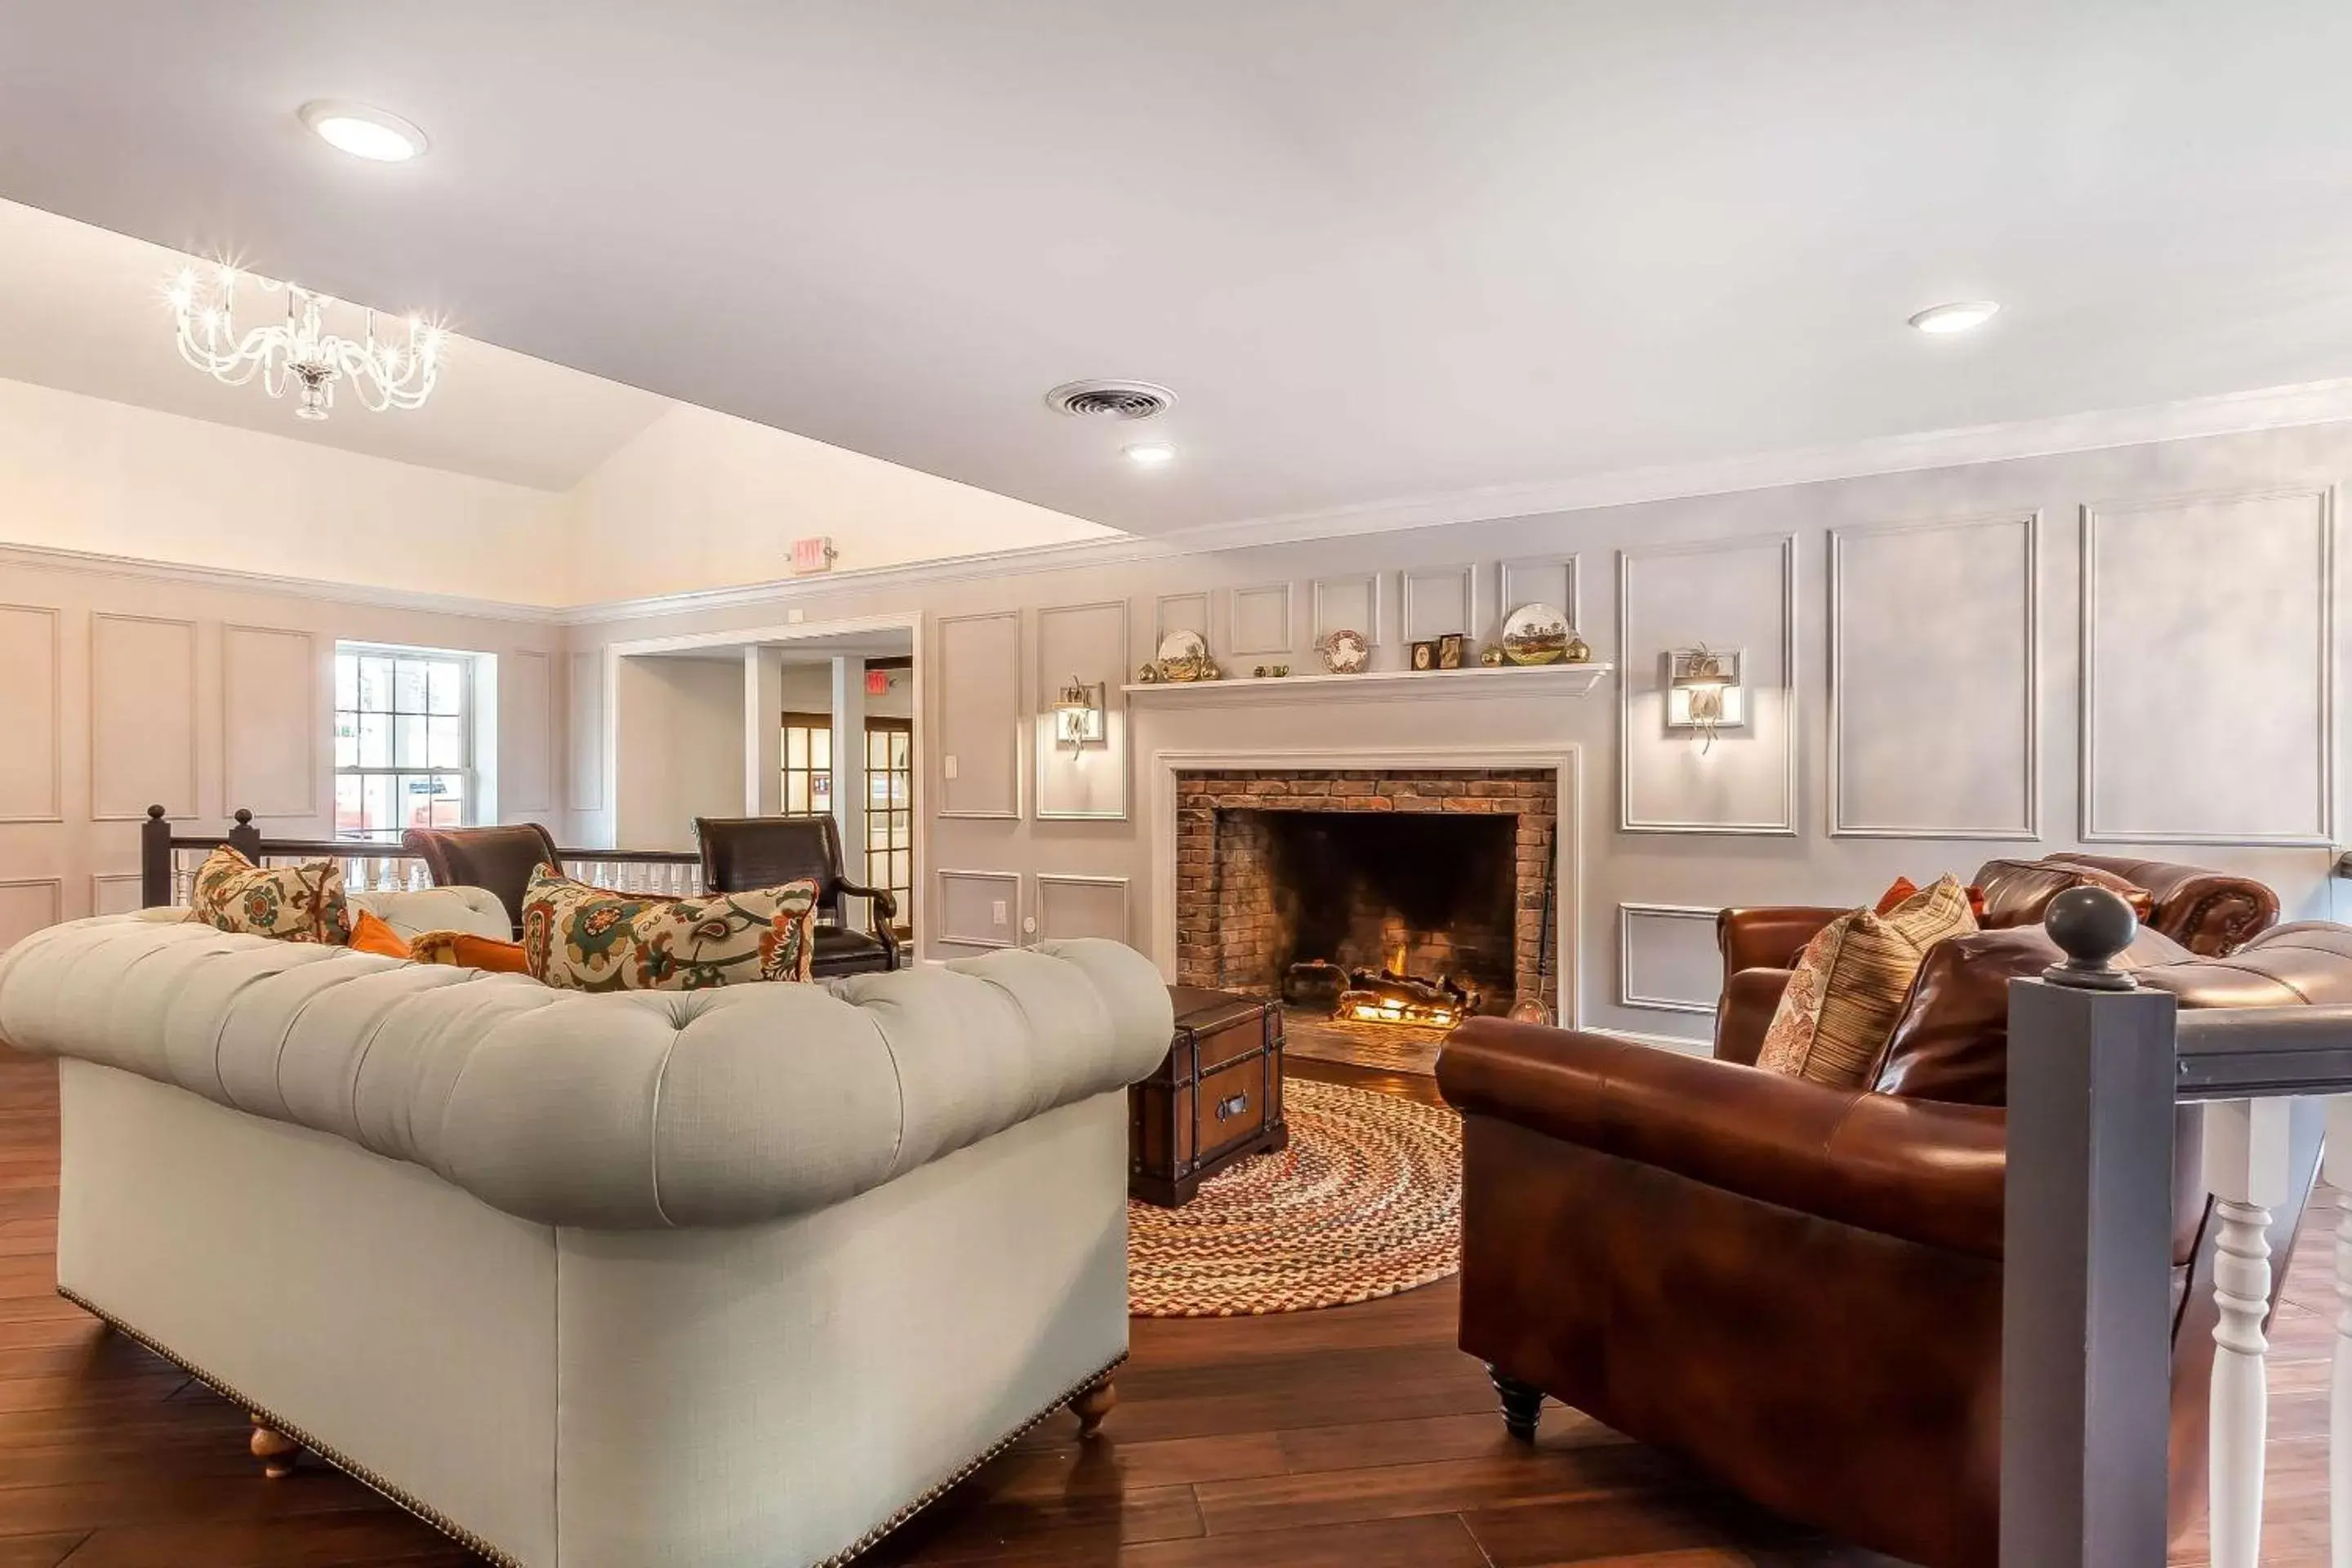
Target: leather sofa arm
(1921,1170)
(1767,938)
(886,903)
(1750,999)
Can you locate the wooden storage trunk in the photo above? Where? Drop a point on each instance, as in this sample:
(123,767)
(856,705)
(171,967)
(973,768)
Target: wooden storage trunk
(1217,1098)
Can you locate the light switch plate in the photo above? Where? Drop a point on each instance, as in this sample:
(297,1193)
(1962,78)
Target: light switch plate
(948,766)
(1002,916)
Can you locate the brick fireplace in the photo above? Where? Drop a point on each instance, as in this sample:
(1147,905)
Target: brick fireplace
(1278,866)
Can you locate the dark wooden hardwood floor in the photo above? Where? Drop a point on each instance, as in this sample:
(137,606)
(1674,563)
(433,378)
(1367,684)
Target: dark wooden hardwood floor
(1351,1439)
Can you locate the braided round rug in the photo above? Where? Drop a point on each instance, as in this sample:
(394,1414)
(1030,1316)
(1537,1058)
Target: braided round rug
(1366,1202)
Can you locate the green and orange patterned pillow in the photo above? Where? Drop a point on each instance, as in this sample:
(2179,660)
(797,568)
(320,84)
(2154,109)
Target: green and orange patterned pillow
(584,938)
(290,903)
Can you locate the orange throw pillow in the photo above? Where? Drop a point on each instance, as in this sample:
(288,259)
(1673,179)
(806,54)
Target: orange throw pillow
(483,952)
(1903,888)
(370,934)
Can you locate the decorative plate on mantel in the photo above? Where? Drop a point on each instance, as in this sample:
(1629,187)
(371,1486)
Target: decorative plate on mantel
(1536,633)
(1345,652)
(1184,655)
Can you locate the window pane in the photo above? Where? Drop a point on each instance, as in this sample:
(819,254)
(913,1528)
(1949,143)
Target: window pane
(375,795)
(348,820)
(445,684)
(796,792)
(819,792)
(821,748)
(347,680)
(347,740)
(448,801)
(408,740)
(447,740)
(375,741)
(878,789)
(902,750)
(375,683)
(902,831)
(408,686)
(796,746)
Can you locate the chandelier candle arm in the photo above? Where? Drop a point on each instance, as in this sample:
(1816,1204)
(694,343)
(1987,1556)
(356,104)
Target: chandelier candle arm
(300,350)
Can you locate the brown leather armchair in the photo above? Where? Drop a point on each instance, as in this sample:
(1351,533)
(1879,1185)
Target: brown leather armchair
(745,852)
(2206,912)
(499,858)
(1798,1286)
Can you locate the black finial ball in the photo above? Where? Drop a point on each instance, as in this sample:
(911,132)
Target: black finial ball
(2091,926)
(243,816)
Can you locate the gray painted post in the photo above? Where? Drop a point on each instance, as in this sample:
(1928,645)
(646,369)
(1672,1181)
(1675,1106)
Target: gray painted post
(2085,1391)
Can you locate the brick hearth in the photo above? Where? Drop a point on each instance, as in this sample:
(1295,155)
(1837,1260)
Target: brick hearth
(1229,933)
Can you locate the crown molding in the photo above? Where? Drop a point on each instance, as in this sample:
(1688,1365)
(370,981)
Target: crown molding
(2269,408)
(50,558)
(2229,413)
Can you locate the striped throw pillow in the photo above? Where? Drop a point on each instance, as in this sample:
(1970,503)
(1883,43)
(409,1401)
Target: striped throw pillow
(1847,992)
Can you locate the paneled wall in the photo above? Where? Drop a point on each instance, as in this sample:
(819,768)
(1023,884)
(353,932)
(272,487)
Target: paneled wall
(121,689)
(2132,648)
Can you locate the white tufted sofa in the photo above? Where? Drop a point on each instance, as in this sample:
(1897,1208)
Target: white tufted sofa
(731,1277)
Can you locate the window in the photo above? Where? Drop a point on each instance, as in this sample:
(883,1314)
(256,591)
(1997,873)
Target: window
(808,765)
(890,811)
(403,741)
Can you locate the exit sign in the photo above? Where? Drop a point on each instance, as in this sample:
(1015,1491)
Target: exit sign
(878,683)
(812,555)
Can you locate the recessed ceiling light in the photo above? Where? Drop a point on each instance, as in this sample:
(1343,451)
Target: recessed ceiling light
(1958,316)
(364,133)
(1151,454)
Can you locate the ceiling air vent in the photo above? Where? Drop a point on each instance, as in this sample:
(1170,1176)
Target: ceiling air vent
(1109,399)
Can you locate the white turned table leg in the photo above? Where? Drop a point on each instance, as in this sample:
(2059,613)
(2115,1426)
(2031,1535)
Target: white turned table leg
(2246,1167)
(2336,1164)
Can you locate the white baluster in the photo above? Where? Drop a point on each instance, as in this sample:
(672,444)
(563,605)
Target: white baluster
(2337,1166)
(2245,1166)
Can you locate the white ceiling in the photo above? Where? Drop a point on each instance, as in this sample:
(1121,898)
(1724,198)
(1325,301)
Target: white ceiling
(1383,248)
(82,308)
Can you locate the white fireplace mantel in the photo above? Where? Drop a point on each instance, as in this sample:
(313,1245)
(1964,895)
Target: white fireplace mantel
(1507,681)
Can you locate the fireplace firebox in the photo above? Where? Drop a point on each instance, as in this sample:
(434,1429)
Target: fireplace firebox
(1412,897)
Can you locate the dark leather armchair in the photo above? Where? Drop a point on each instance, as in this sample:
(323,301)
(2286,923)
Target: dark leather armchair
(2211,913)
(1798,1286)
(499,858)
(744,852)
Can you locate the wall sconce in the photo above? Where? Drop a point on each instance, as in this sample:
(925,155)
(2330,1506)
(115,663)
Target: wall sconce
(1078,715)
(1704,691)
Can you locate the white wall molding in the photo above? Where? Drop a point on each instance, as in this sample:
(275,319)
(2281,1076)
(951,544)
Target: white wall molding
(178,794)
(1170,612)
(50,558)
(1522,580)
(2323,661)
(1014,720)
(1629,916)
(52,737)
(1429,596)
(1059,775)
(240,787)
(2029,631)
(1332,598)
(1788,689)
(2319,576)
(1269,601)
(957,930)
(107,891)
(1083,885)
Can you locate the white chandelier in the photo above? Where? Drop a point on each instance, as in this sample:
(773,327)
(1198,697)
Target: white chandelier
(384,375)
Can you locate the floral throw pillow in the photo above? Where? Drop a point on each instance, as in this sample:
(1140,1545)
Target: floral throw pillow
(1847,991)
(592,939)
(292,903)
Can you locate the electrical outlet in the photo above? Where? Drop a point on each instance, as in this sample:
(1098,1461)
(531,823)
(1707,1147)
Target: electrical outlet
(1029,925)
(948,766)
(1004,917)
